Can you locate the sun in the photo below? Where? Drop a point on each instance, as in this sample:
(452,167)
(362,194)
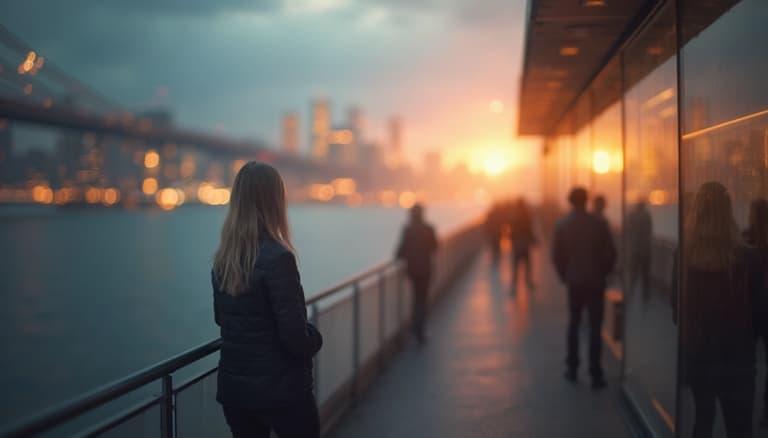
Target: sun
(495,163)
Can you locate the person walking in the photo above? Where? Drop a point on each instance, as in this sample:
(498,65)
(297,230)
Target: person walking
(717,339)
(417,245)
(523,238)
(265,379)
(756,235)
(583,253)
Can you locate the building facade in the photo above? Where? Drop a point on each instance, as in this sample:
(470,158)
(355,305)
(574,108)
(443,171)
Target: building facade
(647,103)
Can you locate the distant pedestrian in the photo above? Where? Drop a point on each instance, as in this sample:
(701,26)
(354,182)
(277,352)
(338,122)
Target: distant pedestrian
(583,253)
(756,235)
(639,237)
(494,223)
(523,238)
(417,245)
(717,338)
(598,206)
(265,374)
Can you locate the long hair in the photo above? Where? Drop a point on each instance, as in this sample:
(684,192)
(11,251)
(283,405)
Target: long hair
(758,223)
(711,233)
(256,210)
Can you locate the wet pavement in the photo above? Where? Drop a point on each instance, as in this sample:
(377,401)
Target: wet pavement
(492,368)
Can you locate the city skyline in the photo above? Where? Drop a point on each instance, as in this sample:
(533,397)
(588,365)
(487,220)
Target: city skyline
(438,64)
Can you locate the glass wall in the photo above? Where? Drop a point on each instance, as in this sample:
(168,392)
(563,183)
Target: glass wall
(724,152)
(650,233)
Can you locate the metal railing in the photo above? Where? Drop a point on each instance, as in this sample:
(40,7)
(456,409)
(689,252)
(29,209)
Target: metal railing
(363,320)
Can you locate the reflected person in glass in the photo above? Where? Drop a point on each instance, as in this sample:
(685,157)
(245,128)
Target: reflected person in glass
(639,237)
(265,378)
(756,235)
(717,334)
(418,244)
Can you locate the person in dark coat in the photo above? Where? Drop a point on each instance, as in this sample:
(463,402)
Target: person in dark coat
(265,379)
(583,253)
(714,306)
(523,238)
(417,245)
(756,236)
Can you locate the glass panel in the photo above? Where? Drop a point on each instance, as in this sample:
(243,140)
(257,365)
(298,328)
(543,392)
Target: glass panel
(724,152)
(369,319)
(146,424)
(335,358)
(198,414)
(606,155)
(650,223)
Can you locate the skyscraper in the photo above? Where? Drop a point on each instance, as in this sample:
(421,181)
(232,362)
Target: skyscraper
(290,140)
(395,142)
(320,128)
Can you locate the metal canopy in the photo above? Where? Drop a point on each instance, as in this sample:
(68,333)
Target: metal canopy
(567,42)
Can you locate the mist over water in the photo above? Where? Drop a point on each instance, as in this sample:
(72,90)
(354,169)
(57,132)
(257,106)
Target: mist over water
(92,295)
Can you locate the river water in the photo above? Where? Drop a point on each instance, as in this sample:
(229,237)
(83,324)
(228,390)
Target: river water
(90,295)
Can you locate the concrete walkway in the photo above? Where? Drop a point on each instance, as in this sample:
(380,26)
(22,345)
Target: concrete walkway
(492,368)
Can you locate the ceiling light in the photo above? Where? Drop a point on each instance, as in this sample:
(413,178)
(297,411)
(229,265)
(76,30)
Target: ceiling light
(569,51)
(593,3)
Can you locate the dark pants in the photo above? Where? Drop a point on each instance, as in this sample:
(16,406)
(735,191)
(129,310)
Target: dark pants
(518,258)
(593,298)
(735,395)
(420,286)
(297,421)
(762,334)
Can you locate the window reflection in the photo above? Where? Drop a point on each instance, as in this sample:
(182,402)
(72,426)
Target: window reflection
(725,143)
(650,233)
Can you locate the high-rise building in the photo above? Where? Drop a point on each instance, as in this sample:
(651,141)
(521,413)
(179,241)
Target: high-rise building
(290,139)
(342,146)
(356,122)
(395,142)
(432,163)
(6,148)
(320,128)
(5,141)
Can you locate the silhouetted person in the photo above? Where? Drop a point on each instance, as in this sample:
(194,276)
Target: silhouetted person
(756,235)
(523,239)
(639,235)
(717,334)
(583,253)
(265,371)
(417,245)
(598,206)
(494,223)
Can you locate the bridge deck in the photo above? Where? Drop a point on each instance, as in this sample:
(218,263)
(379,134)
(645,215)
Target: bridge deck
(492,368)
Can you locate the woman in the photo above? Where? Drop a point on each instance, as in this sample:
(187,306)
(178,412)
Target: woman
(718,350)
(756,235)
(265,371)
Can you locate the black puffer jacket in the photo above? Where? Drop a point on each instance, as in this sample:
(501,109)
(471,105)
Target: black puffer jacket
(268,345)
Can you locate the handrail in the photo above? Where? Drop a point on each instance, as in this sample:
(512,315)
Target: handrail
(63,412)
(66,411)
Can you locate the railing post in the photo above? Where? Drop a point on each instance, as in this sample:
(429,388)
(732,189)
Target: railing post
(355,336)
(382,318)
(166,408)
(315,320)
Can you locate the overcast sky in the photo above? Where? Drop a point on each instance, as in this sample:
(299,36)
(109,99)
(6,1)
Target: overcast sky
(238,64)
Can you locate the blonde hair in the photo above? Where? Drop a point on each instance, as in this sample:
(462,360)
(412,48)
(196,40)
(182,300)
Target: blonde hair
(711,233)
(256,209)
